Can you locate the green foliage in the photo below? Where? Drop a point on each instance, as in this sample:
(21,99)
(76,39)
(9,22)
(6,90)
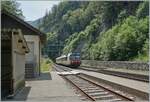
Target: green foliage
(89,35)
(143,9)
(145,48)
(46,65)
(12,6)
(101,30)
(143,55)
(51,37)
(123,41)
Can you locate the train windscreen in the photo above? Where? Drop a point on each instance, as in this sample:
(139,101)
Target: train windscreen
(75,56)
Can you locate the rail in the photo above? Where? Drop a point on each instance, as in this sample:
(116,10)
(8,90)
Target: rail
(91,89)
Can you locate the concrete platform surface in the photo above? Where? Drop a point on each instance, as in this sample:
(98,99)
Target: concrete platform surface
(137,85)
(48,87)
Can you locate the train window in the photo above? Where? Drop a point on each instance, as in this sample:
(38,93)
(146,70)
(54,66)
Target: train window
(64,58)
(77,57)
(74,57)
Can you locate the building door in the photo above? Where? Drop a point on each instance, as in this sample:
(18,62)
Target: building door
(30,61)
(6,65)
(30,55)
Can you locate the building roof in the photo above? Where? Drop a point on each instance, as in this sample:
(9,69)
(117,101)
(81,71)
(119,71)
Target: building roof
(30,27)
(17,34)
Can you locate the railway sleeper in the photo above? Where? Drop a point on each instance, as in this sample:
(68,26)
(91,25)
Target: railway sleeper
(104,97)
(98,93)
(91,91)
(84,99)
(114,100)
(85,89)
(89,87)
(83,84)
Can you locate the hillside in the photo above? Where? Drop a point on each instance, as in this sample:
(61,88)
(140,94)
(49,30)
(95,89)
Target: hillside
(101,30)
(36,23)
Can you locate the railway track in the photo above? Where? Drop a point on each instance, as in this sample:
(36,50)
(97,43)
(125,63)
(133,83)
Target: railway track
(94,91)
(61,68)
(91,90)
(137,77)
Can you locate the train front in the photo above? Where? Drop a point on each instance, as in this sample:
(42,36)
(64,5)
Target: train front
(75,59)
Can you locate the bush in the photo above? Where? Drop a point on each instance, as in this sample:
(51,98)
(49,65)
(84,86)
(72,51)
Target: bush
(143,9)
(46,65)
(123,41)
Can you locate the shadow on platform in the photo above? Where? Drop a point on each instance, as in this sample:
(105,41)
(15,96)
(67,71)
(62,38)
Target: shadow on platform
(21,95)
(43,76)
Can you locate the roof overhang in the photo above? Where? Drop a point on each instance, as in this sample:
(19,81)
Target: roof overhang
(18,33)
(38,32)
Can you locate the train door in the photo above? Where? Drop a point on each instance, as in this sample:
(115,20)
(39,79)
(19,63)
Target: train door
(6,65)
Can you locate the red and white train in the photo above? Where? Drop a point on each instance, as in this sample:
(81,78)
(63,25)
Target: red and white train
(72,59)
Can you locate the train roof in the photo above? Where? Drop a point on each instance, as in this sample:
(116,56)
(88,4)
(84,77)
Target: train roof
(61,57)
(74,53)
(69,54)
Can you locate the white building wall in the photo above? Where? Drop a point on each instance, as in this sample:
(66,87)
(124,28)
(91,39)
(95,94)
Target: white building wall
(34,39)
(18,64)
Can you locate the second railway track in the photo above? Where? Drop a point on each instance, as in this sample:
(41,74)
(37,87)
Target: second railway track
(137,77)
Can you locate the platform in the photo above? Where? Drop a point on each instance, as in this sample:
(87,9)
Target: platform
(48,87)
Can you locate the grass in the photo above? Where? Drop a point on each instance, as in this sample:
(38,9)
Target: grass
(46,64)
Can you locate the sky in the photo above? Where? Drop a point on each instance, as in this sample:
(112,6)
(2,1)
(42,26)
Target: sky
(34,9)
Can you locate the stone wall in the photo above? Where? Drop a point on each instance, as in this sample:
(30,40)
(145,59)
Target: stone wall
(116,64)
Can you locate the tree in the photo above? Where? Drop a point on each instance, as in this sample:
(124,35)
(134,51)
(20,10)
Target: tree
(101,30)
(13,7)
(143,10)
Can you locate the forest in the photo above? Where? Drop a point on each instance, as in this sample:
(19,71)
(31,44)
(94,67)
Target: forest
(99,30)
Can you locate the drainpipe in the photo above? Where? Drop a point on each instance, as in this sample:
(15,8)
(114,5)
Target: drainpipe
(39,58)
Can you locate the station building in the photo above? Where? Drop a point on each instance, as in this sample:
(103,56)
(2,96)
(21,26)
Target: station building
(13,50)
(20,53)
